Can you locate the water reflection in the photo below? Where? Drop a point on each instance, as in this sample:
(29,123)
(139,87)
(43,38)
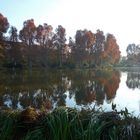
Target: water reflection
(49,89)
(133,80)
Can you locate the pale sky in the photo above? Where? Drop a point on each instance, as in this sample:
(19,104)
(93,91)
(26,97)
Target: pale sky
(119,17)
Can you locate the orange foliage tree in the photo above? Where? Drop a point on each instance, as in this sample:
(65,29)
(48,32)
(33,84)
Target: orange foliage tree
(88,47)
(4,25)
(27,34)
(90,42)
(111,53)
(44,34)
(84,40)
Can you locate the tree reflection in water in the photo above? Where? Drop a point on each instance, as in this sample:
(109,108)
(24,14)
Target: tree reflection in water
(133,80)
(48,89)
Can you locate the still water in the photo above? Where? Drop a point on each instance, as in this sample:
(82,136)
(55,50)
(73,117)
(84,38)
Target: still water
(44,89)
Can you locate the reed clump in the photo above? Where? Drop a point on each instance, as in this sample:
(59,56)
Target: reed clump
(65,123)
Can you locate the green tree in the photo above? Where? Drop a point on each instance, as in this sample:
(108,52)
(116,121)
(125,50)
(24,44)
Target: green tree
(98,47)
(59,41)
(133,53)
(13,34)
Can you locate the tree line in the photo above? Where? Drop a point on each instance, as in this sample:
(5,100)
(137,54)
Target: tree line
(42,46)
(132,59)
(133,54)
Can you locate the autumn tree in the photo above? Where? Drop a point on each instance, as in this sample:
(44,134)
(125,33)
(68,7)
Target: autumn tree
(90,39)
(27,36)
(85,40)
(4,25)
(39,35)
(44,34)
(111,53)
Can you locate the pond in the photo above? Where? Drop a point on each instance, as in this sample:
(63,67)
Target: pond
(47,89)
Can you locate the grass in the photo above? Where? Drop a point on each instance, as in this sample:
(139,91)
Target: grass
(68,124)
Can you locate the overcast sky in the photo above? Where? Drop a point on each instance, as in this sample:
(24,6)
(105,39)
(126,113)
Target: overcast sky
(119,17)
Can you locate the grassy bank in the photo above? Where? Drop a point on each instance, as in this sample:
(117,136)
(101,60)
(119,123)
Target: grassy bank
(68,124)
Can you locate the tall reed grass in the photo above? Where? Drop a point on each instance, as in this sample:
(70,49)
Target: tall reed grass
(68,124)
